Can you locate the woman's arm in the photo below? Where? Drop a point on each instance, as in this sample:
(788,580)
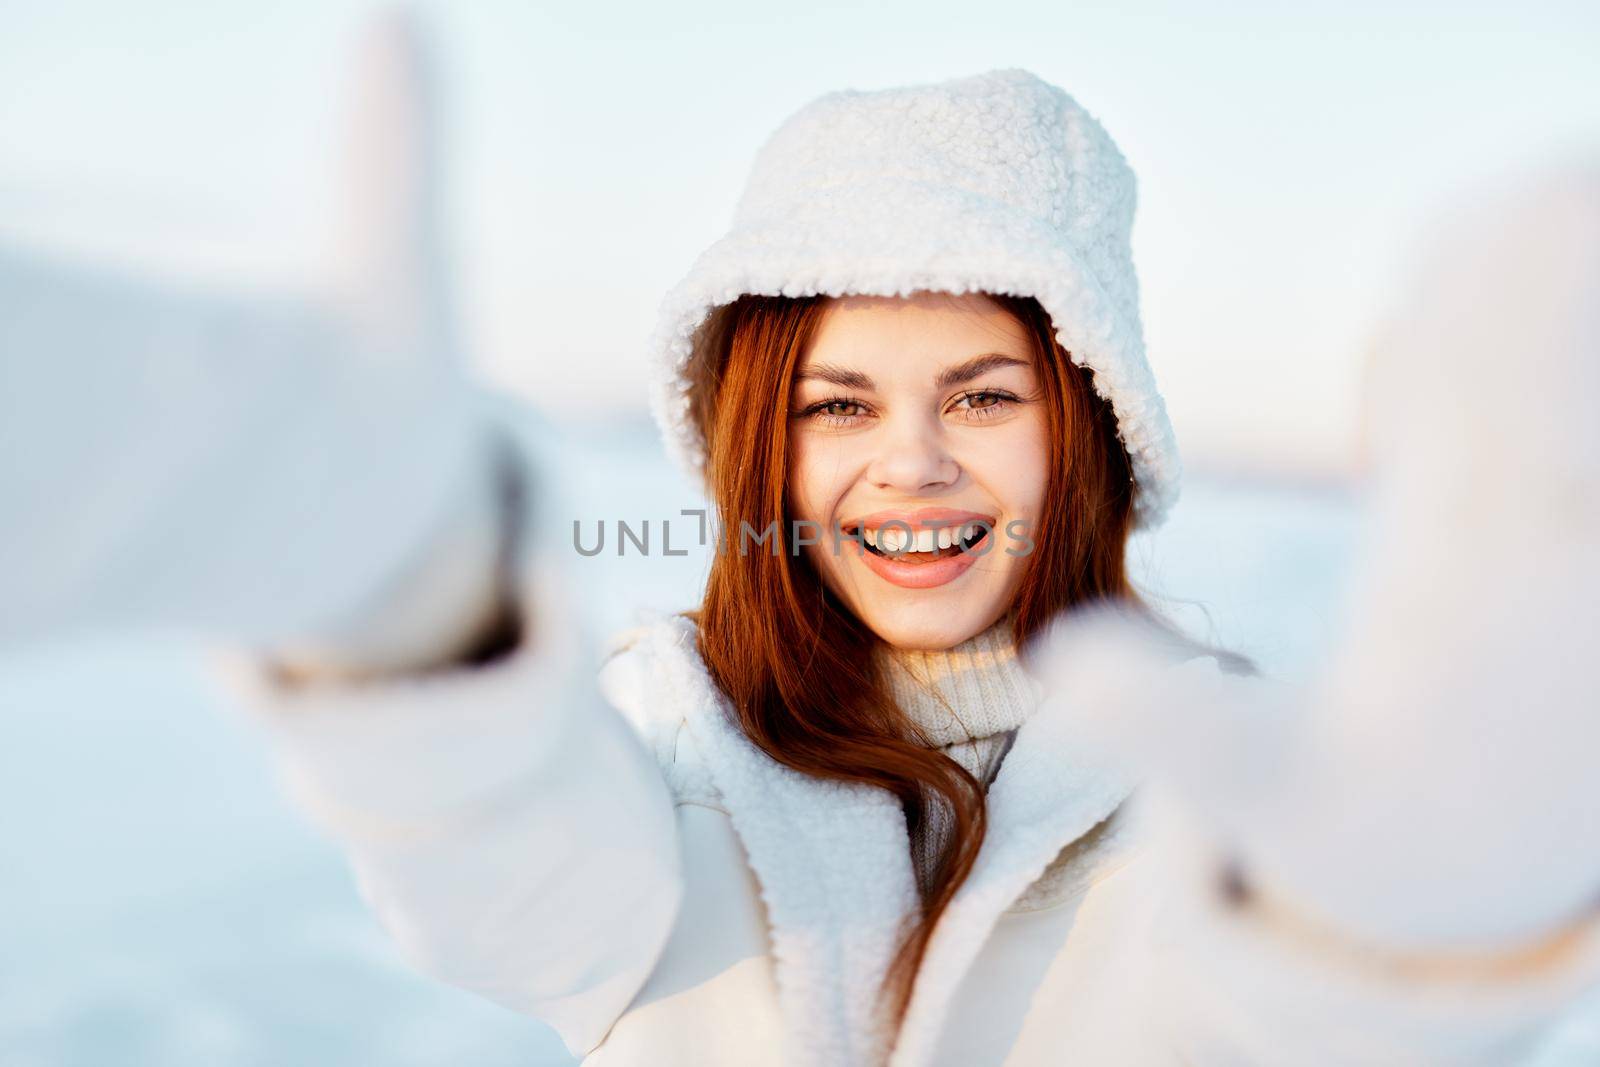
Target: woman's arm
(1397,860)
(313,483)
(506,825)
(1306,902)
(1245,971)
(508,829)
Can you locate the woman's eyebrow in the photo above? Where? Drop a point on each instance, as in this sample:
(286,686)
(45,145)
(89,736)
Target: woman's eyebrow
(840,376)
(960,374)
(974,368)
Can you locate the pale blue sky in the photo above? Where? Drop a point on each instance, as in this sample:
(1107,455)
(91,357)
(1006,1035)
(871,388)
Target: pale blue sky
(1286,153)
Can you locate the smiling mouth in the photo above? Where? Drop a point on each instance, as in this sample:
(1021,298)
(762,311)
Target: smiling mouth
(920,546)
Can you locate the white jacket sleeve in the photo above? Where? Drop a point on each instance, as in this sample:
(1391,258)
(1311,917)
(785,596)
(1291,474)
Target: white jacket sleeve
(1303,900)
(507,826)
(1396,861)
(311,475)
(1239,970)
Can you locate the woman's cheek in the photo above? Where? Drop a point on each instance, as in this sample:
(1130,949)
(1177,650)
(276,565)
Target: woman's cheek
(809,502)
(1031,463)
(820,474)
(1014,466)
(802,487)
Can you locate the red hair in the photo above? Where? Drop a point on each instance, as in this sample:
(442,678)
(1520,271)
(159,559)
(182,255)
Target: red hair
(796,664)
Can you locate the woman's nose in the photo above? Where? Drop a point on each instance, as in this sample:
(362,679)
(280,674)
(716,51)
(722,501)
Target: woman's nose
(911,457)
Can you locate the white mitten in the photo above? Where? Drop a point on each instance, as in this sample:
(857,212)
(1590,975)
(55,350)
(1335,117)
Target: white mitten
(256,466)
(1434,784)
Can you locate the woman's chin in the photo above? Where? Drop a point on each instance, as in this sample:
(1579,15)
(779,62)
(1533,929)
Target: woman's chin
(922,627)
(934,617)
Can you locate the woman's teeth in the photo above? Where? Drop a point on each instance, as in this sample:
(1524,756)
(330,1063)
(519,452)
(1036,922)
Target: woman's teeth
(894,539)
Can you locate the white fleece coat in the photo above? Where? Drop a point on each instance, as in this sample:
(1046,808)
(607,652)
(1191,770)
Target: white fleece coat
(618,860)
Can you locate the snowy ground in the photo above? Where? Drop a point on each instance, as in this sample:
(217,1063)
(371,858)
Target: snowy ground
(160,904)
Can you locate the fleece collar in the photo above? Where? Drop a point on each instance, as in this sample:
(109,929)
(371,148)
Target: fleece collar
(1047,794)
(833,861)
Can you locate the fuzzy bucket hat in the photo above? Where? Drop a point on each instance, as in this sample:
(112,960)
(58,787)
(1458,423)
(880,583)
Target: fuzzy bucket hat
(998,182)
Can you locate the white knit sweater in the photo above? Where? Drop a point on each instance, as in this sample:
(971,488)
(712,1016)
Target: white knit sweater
(967,700)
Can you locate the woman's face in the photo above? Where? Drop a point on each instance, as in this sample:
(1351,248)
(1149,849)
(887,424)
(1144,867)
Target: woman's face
(909,416)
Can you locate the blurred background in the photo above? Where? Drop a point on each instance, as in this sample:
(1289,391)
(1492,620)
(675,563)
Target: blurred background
(159,903)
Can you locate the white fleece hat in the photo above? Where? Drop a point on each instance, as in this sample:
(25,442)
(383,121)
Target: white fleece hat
(998,182)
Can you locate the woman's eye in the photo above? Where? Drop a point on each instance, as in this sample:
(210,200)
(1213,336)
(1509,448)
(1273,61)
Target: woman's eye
(838,411)
(984,404)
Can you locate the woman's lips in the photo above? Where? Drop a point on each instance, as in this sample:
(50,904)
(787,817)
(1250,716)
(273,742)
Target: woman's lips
(897,570)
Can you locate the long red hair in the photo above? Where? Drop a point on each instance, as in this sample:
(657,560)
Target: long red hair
(797,665)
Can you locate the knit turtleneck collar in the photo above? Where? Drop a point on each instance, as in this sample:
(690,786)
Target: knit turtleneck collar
(973,690)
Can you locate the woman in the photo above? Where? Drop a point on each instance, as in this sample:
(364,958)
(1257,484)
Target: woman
(828,818)
(812,879)
(913,382)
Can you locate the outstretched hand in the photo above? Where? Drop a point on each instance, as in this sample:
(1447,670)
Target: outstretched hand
(253,466)
(1432,784)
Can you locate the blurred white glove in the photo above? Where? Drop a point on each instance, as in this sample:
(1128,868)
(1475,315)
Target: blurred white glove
(1435,784)
(260,468)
